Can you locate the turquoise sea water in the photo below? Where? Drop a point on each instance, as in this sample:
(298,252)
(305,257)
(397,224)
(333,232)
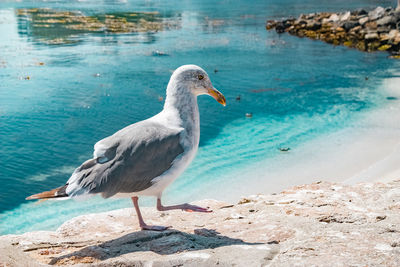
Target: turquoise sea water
(58,98)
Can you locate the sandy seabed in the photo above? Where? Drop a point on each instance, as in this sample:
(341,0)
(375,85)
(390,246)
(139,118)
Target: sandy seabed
(366,152)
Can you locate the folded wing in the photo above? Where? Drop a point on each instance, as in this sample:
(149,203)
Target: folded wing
(127,161)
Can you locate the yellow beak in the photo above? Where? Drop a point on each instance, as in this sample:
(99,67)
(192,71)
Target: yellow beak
(217,96)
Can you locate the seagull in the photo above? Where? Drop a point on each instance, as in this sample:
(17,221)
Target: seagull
(143,158)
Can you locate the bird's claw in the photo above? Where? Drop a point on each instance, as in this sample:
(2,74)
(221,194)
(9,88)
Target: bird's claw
(194,208)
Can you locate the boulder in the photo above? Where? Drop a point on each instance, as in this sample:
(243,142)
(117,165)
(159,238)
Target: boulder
(393,34)
(371,25)
(301,33)
(270,24)
(361,46)
(384,47)
(388,9)
(291,29)
(387,20)
(356,29)
(325,20)
(377,13)
(301,23)
(310,16)
(339,29)
(383,29)
(374,45)
(396,15)
(359,12)
(280,27)
(363,20)
(287,23)
(348,43)
(348,25)
(311,34)
(333,18)
(313,25)
(345,16)
(371,36)
(384,37)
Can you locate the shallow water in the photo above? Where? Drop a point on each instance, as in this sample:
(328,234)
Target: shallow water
(61,91)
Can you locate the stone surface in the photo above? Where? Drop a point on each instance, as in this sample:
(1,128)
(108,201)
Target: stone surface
(371,36)
(363,20)
(387,20)
(377,13)
(320,224)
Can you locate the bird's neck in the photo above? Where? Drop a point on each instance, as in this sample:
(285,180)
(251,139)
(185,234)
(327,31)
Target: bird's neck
(182,110)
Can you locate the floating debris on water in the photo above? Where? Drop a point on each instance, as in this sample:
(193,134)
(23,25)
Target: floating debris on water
(238,98)
(213,23)
(366,78)
(249,115)
(159,53)
(215,71)
(160,98)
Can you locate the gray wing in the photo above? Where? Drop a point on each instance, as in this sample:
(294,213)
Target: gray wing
(127,161)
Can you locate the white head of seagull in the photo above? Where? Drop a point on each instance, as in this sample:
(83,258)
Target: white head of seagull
(143,158)
(186,83)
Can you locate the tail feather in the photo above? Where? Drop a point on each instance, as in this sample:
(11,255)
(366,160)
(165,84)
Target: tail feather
(55,193)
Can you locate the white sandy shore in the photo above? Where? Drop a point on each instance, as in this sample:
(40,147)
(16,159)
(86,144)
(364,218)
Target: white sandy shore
(366,152)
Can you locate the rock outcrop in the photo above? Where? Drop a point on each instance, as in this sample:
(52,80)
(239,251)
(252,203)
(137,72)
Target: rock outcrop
(378,29)
(320,224)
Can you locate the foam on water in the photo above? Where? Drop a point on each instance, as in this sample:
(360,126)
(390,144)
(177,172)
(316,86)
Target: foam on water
(64,170)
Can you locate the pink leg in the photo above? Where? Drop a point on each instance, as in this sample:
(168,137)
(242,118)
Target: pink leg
(185,207)
(142,224)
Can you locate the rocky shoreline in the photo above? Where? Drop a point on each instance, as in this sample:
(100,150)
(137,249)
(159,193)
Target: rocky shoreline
(375,30)
(320,224)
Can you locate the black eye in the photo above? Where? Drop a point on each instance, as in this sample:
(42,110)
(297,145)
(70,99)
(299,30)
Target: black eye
(201,77)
